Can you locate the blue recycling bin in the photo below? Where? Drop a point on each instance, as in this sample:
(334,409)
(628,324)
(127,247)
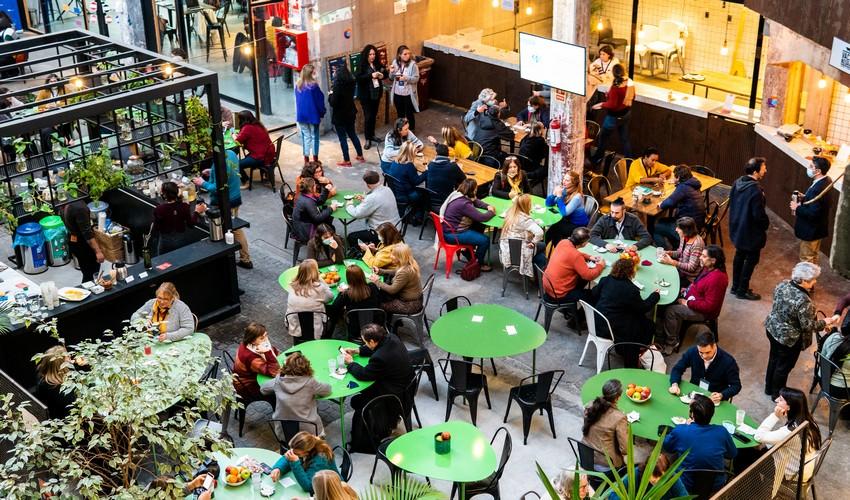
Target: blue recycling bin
(33,248)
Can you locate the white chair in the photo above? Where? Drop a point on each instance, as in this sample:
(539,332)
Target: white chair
(648,34)
(591,206)
(670,44)
(600,343)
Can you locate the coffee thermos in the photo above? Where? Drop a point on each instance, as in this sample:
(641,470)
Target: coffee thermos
(129,249)
(215,224)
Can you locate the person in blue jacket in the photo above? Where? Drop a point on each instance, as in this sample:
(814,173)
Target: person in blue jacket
(307,455)
(811,210)
(569,201)
(309,111)
(688,202)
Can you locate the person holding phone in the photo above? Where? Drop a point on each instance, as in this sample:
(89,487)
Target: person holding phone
(369,91)
(201,487)
(405,76)
(307,455)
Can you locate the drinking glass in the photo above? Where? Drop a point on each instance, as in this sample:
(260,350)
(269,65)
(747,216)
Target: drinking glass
(739,418)
(332,365)
(34,305)
(340,359)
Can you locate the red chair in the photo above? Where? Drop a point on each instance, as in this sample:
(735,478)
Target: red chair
(450,248)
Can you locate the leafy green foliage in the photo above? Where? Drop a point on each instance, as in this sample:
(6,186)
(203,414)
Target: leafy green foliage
(198,135)
(20,145)
(97,175)
(116,430)
(55,138)
(7,212)
(402,488)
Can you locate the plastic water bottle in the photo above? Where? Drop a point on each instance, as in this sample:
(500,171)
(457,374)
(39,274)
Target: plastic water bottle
(228,237)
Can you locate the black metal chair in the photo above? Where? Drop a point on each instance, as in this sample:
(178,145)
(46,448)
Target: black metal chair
(819,339)
(515,249)
(432,203)
(790,486)
(489,161)
(838,401)
(530,494)
(285,430)
(214,25)
(490,485)
(240,412)
(306,320)
(712,230)
(550,308)
(613,348)
(476,150)
(465,383)
(596,184)
(288,210)
(358,318)
(707,324)
(417,318)
(701,169)
(385,404)
(702,481)
(585,458)
(344,464)
(533,396)
(223,19)
(267,171)
(410,398)
(420,357)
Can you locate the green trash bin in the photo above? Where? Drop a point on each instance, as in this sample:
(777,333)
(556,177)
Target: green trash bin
(56,236)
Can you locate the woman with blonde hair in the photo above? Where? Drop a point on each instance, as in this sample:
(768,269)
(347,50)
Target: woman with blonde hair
(309,110)
(167,313)
(454,139)
(569,199)
(296,391)
(307,455)
(328,486)
(404,294)
(53,366)
(405,176)
(519,225)
(381,257)
(308,294)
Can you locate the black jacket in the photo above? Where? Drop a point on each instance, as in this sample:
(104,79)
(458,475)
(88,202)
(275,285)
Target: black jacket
(58,403)
(388,367)
(723,374)
(444,176)
(490,133)
(501,188)
(687,200)
(307,215)
(748,220)
(812,223)
(535,149)
(341,100)
(619,300)
(365,89)
(606,229)
(325,255)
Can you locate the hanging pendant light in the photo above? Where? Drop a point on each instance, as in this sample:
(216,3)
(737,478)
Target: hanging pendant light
(528,10)
(599,25)
(724,50)
(822,83)
(847,97)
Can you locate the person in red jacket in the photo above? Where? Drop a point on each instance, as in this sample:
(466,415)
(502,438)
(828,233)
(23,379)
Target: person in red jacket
(255,355)
(702,300)
(567,273)
(254,138)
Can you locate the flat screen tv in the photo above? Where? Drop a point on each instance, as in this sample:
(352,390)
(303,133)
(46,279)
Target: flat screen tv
(550,62)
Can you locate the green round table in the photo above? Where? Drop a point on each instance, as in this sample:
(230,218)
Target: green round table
(319,352)
(341,213)
(248,489)
(662,405)
(539,211)
(646,276)
(487,331)
(471,457)
(229,136)
(287,276)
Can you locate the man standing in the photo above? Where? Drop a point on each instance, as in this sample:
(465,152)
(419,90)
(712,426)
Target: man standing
(812,210)
(82,244)
(376,207)
(748,225)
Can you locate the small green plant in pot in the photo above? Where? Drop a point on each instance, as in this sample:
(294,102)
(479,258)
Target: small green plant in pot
(97,175)
(21,145)
(198,137)
(165,151)
(58,147)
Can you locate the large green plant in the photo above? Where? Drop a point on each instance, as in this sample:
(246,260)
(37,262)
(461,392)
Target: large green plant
(402,488)
(199,129)
(116,430)
(97,175)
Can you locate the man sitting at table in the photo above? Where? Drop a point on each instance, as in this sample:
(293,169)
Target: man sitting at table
(712,368)
(647,170)
(707,445)
(169,315)
(619,225)
(377,206)
(490,133)
(443,177)
(567,273)
(688,202)
(390,370)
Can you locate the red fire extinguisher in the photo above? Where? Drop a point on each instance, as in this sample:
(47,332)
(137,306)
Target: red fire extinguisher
(555,135)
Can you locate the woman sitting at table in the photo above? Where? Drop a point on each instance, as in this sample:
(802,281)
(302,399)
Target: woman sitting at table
(327,485)
(510,181)
(605,427)
(460,215)
(534,147)
(296,391)
(405,176)
(307,455)
(687,257)
(254,356)
(454,139)
(395,138)
(170,315)
(307,215)
(836,348)
(535,112)
(570,202)
(381,257)
(52,369)
(314,170)
(404,294)
(519,225)
(618,298)
(356,294)
(309,294)
(172,218)
(256,142)
(326,247)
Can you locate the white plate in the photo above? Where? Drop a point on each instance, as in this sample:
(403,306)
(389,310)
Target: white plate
(679,420)
(601,250)
(349,197)
(685,399)
(73,294)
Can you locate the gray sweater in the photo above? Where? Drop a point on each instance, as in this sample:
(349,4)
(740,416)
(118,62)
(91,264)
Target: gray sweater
(296,399)
(377,207)
(180,322)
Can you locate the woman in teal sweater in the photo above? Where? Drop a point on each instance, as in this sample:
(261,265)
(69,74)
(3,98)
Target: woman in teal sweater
(306,456)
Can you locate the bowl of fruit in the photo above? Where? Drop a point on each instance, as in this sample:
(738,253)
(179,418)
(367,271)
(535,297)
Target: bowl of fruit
(631,255)
(331,278)
(235,475)
(638,394)
(442,443)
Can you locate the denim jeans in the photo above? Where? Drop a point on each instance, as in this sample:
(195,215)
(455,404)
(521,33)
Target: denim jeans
(665,234)
(343,132)
(245,165)
(309,138)
(470,237)
(608,125)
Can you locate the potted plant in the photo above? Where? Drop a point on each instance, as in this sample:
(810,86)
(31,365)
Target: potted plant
(97,174)
(7,213)
(21,145)
(165,151)
(198,137)
(140,117)
(60,151)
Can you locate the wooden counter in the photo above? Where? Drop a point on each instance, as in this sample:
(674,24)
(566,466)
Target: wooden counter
(651,209)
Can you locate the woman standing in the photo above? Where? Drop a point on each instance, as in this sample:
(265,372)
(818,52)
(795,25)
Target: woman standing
(605,427)
(460,214)
(519,225)
(369,90)
(344,114)
(791,324)
(510,181)
(404,294)
(570,202)
(309,111)
(405,75)
(618,105)
(255,139)
(308,294)
(534,147)
(686,257)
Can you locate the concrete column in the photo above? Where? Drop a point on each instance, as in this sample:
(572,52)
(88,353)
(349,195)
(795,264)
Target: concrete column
(839,256)
(570,23)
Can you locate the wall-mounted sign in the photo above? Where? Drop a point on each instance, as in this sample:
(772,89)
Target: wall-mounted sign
(840,56)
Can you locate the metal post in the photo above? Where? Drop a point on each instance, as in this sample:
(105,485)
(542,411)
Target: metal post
(101,20)
(633,39)
(182,34)
(261,65)
(219,158)
(757,63)
(255,77)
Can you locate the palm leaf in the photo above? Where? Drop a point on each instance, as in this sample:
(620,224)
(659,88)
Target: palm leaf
(548,484)
(402,488)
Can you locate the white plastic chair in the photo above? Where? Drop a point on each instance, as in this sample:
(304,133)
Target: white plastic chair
(600,343)
(669,44)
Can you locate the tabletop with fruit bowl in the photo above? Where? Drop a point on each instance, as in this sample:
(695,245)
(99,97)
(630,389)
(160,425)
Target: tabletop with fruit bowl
(659,407)
(249,489)
(468,457)
(650,275)
(287,276)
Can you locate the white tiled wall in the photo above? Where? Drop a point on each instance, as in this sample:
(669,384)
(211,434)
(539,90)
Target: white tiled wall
(705,35)
(839,117)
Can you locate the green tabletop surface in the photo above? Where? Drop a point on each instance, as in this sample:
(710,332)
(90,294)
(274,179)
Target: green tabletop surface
(341,213)
(539,212)
(661,406)
(319,352)
(471,457)
(187,359)
(648,276)
(481,331)
(248,489)
(287,276)
(230,138)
